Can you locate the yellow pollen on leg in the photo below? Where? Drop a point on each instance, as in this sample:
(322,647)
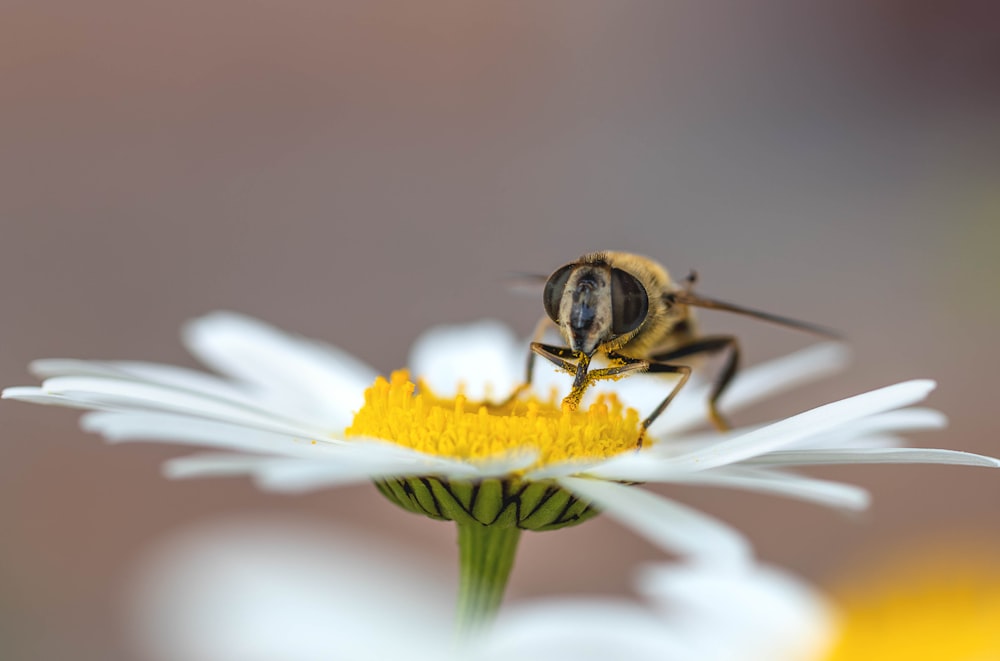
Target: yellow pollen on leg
(457,428)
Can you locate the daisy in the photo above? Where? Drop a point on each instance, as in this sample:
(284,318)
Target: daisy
(265,589)
(296,415)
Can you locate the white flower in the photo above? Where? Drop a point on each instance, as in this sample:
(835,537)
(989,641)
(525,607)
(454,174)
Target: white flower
(276,590)
(283,403)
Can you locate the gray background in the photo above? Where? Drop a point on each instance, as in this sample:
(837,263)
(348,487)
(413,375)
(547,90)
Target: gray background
(358,171)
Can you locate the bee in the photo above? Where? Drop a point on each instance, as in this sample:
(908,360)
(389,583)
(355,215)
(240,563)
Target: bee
(625,308)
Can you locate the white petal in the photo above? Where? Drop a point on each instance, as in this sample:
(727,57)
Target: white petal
(751,614)
(45,368)
(823,492)
(872,431)
(185,380)
(309,377)
(267,590)
(216,465)
(486,358)
(356,463)
(301,477)
(643,467)
(116,394)
(672,526)
(859,443)
(804,425)
(638,467)
(336,460)
(159,427)
(576,630)
(35,395)
(169,375)
(874,456)
(360,462)
(565,469)
(884,424)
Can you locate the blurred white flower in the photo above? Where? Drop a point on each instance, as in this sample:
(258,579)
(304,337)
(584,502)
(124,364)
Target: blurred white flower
(285,405)
(281,591)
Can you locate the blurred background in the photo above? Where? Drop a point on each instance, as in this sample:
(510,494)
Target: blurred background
(359,171)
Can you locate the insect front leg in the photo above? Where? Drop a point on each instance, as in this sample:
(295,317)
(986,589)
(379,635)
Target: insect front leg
(559,356)
(583,376)
(529,367)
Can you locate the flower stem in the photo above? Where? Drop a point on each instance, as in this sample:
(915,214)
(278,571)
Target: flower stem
(486,556)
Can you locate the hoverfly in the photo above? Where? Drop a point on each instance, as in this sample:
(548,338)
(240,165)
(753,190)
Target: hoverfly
(626,308)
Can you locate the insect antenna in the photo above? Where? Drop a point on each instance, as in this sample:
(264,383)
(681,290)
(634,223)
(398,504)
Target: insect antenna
(696,300)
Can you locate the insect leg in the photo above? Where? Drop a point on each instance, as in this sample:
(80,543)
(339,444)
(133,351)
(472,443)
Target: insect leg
(584,377)
(711,345)
(536,338)
(663,368)
(627,367)
(557,356)
(529,367)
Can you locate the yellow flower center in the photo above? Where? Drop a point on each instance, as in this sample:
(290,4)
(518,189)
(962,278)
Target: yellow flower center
(457,428)
(944,608)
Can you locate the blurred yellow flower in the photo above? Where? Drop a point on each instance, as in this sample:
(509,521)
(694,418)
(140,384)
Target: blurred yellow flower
(934,605)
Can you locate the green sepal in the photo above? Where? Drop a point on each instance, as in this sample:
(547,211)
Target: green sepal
(528,505)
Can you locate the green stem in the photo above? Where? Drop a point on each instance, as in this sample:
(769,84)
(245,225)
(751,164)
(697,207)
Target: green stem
(485,556)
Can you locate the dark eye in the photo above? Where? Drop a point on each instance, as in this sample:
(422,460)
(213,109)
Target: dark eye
(554,290)
(629,303)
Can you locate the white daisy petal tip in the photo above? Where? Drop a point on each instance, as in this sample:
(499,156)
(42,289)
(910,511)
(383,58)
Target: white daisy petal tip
(98,422)
(21,392)
(923,386)
(897,395)
(218,320)
(200,333)
(212,465)
(826,357)
(918,418)
(970,459)
(45,367)
(178,469)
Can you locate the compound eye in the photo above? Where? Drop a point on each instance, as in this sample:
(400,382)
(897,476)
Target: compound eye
(629,302)
(554,289)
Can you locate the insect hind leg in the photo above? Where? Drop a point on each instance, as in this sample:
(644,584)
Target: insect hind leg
(562,358)
(711,345)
